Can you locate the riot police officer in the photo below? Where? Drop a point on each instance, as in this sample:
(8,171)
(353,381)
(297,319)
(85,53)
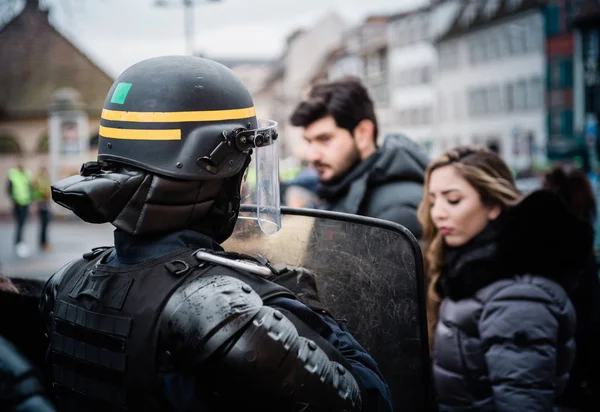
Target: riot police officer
(165,319)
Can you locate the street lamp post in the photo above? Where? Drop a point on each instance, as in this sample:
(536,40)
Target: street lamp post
(188,18)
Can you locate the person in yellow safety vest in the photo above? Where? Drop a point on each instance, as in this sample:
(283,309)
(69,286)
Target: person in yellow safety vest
(43,195)
(19,190)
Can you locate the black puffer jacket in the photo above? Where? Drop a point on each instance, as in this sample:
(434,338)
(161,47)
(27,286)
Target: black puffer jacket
(388,185)
(505,336)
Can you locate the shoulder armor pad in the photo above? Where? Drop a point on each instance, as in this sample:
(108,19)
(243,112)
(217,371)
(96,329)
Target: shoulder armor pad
(202,315)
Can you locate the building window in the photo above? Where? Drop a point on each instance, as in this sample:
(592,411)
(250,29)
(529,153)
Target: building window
(560,123)
(477,50)
(535,95)
(517,43)
(566,74)
(533,39)
(372,65)
(503,46)
(472,51)
(382,59)
(469,14)
(414,116)
(457,105)
(490,52)
(425,28)
(485,48)
(398,33)
(472,97)
(9,144)
(554,74)
(509,97)
(420,116)
(516,143)
(520,99)
(552,19)
(445,58)
(449,56)
(478,102)
(494,100)
(566,120)
(413,31)
(495,45)
(556,123)
(426,115)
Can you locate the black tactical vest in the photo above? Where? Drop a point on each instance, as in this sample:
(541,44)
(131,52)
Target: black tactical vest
(104,331)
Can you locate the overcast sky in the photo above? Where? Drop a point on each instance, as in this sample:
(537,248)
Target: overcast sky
(118,33)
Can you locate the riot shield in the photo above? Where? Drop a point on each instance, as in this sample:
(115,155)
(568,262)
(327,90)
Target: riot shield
(369,273)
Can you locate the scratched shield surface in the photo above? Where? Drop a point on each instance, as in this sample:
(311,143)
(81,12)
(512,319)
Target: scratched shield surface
(369,274)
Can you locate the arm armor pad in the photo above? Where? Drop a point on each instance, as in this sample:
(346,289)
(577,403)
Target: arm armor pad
(247,353)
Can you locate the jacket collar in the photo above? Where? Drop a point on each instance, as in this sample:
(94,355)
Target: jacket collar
(352,187)
(132,249)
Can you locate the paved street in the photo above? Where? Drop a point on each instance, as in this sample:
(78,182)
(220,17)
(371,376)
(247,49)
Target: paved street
(69,240)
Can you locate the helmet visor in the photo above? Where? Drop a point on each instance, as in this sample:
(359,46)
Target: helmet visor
(261,186)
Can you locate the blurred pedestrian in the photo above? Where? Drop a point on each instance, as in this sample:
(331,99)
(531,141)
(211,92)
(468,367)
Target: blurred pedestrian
(356,176)
(20,192)
(498,265)
(7,285)
(43,196)
(574,188)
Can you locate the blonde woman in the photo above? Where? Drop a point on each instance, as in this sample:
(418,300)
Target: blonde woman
(501,324)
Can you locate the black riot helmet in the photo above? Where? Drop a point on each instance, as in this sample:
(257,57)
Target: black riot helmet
(168,114)
(184,120)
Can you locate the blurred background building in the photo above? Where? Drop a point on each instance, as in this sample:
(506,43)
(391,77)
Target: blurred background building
(518,76)
(41,74)
(490,81)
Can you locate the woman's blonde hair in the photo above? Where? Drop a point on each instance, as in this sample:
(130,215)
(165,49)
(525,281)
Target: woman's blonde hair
(487,173)
(7,285)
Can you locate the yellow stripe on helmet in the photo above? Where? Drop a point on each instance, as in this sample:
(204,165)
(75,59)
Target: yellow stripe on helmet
(173,117)
(140,134)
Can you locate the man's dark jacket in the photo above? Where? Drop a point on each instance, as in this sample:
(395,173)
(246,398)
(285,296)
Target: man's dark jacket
(388,185)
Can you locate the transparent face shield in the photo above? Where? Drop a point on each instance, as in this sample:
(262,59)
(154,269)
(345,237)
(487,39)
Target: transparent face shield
(261,182)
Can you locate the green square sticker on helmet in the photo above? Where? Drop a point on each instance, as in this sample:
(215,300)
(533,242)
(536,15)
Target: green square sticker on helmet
(120,93)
